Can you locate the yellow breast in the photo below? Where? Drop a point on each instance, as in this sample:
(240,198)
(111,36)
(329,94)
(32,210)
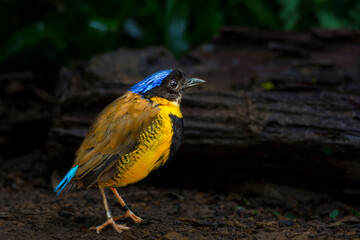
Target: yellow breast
(151,151)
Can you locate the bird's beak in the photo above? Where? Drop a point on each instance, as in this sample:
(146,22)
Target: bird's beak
(192,82)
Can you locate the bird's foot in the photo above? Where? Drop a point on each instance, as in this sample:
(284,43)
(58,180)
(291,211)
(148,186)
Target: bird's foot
(118,227)
(129,214)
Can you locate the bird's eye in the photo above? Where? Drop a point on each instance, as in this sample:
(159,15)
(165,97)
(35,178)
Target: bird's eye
(173,84)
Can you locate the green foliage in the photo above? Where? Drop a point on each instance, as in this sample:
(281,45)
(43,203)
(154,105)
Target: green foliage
(355,212)
(333,214)
(253,13)
(291,216)
(276,213)
(42,33)
(245,201)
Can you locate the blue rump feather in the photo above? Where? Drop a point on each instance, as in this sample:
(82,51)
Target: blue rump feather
(66,180)
(150,82)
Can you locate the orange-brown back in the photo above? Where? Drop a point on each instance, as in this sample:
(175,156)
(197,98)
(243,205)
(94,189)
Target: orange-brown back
(114,133)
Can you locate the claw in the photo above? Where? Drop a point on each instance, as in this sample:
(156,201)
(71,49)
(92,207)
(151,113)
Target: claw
(118,227)
(129,214)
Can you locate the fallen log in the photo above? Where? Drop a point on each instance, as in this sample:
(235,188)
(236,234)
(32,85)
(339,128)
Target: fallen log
(273,101)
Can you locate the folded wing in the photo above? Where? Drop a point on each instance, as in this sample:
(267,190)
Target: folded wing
(114,133)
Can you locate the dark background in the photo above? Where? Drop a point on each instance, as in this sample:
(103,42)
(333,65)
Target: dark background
(44,35)
(45,47)
(37,38)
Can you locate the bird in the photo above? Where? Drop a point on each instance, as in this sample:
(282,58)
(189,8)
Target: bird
(131,137)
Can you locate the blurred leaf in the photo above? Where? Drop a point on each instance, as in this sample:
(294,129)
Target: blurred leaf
(289,13)
(103,24)
(275,213)
(254,212)
(245,201)
(328,19)
(29,37)
(176,22)
(24,38)
(354,14)
(291,216)
(333,214)
(268,85)
(355,212)
(239,208)
(206,22)
(261,13)
(132,29)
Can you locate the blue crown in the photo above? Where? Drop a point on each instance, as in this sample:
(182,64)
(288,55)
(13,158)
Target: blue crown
(150,82)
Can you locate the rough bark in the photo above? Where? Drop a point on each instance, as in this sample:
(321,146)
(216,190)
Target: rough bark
(273,96)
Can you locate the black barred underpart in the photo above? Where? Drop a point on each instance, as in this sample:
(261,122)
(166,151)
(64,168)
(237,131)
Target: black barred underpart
(146,138)
(152,132)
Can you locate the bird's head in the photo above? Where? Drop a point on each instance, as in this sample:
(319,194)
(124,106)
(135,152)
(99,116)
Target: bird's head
(168,84)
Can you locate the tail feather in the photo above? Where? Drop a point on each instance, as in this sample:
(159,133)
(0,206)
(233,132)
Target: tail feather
(66,181)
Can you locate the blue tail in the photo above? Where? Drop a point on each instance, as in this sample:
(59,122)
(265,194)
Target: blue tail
(66,180)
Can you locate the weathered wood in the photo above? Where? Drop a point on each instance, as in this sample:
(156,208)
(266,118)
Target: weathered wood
(268,94)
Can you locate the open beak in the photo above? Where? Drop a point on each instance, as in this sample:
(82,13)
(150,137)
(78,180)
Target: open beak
(192,82)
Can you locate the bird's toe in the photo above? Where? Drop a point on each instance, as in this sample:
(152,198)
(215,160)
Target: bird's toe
(130,214)
(118,227)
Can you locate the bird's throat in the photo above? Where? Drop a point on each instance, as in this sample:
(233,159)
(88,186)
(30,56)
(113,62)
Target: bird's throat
(168,106)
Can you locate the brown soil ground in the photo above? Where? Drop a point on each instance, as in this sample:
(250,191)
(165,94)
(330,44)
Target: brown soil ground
(269,211)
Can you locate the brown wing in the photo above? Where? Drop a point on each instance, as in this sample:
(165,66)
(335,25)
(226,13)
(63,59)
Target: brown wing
(113,134)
